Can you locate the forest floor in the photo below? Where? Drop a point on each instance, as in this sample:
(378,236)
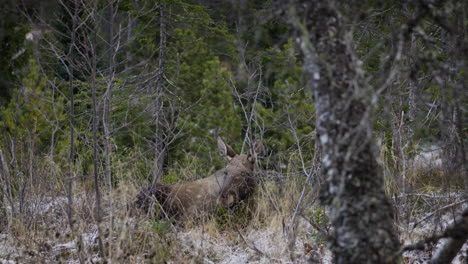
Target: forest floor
(415,231)
(45,237)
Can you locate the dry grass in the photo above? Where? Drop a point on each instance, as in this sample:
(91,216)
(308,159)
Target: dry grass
(253,232)
(260,231)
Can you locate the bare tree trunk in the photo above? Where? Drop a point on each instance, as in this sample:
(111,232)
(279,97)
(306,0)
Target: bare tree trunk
(17,180)
(106,118)
(98,214)
(452,90)
(412,91)
(460,95)
(159,144)
(108,95)
(71,156)
(6,190)
(131,25)
(360,213)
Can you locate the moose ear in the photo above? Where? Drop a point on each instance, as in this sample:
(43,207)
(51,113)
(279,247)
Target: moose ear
(255,149)
(225,149)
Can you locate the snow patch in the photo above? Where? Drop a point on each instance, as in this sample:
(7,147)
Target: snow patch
(271,241)
(428,228)
(65,246)
(7,261)
(429,156)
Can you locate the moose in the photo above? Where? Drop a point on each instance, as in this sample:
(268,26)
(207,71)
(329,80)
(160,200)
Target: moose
(226,188)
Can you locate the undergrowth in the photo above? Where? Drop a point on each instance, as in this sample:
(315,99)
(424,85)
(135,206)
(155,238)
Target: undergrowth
(42,232)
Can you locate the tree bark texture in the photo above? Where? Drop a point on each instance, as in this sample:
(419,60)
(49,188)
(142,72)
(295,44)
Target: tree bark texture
(95,122)
(159,144)
(71,78)
(360,213)
(108,96)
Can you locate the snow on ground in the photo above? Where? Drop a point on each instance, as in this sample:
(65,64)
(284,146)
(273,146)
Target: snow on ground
(428,228)
(239,246)
(44,237)
(270,241)
(7,250)
(423,256)
(429,156)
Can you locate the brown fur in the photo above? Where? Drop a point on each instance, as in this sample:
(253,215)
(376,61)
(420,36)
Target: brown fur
(227,188)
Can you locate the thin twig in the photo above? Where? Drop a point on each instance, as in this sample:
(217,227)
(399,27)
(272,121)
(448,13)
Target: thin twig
(251,245)
(450,231)
(437,211)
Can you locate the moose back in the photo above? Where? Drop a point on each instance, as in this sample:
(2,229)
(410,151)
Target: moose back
(226,188)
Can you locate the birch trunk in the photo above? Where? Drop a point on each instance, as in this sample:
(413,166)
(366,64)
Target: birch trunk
(360,213)
(159,144)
